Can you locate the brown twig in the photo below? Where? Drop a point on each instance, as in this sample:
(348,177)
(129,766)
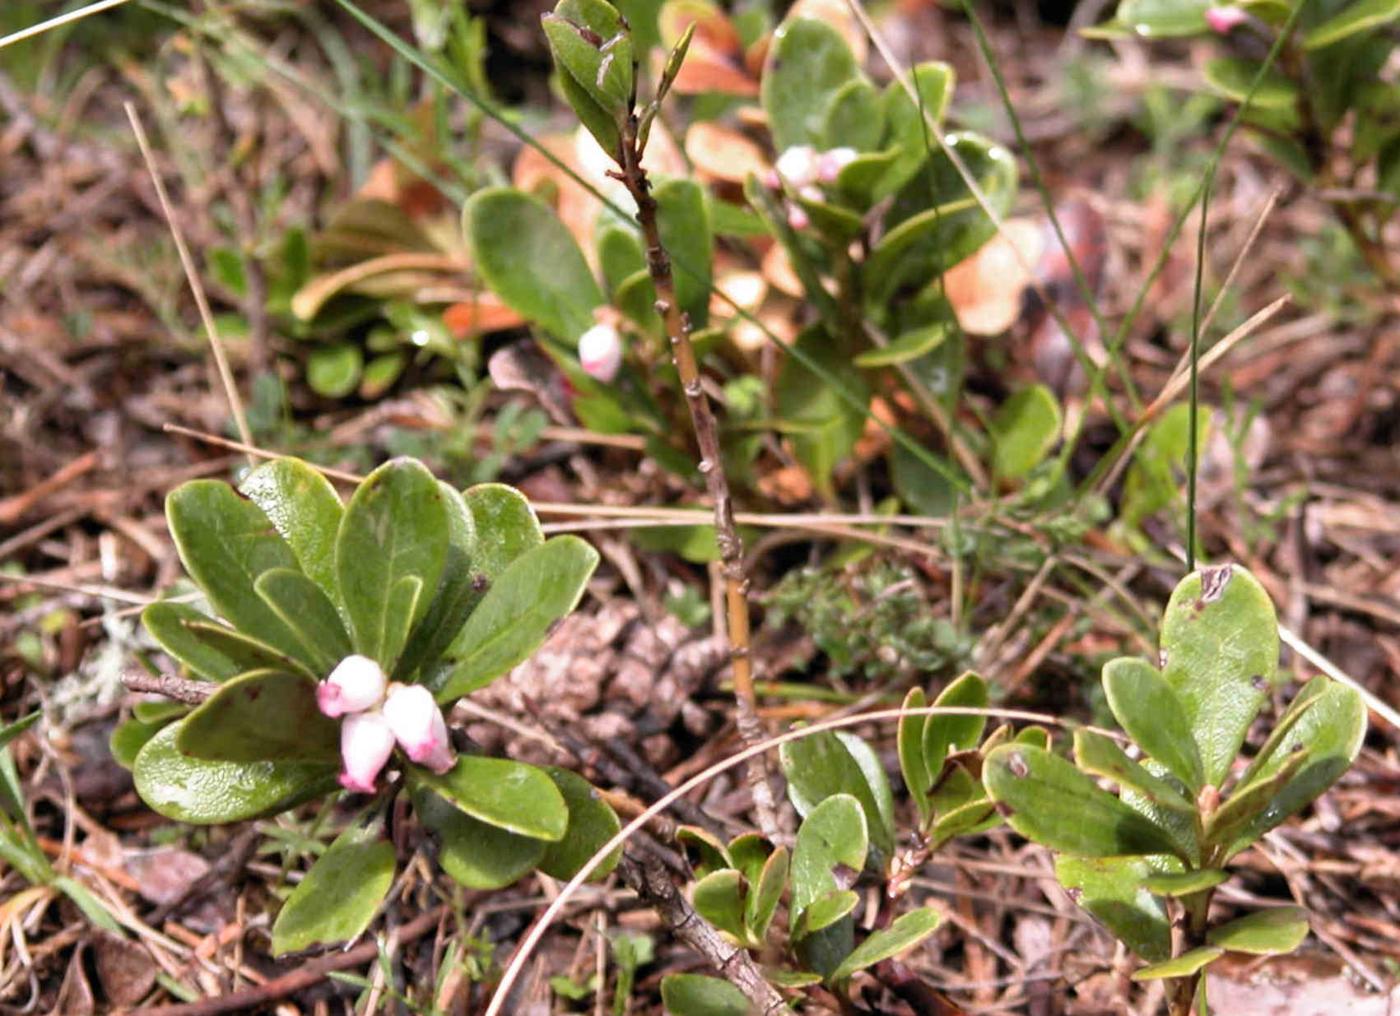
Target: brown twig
(180,689)
(702,418)
(251,999)
(649,879)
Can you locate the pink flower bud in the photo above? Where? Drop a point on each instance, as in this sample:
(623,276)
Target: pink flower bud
(772,180)
(417,723)
(356,684)
(797,217)
(600,352)
(366,742)
(1224,20)
(830,163)
(797,166)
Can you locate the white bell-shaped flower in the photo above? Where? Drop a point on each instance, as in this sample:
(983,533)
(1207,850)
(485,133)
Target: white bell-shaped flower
(417,723)
(600,352)
(357,683)
(366,742)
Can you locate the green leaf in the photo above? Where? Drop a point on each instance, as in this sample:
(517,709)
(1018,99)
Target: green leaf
(1111,888)
(1161,19)
(592,45)
(225,543)
(829,764)
(719,899)
(334,371)
(592,823)
(682,216)
(1152,714)
(822,426)
(946,733)
(474,853)
(825,911)
(308,612)
(906,131)
(765,894)
(1024,429)
(529,259)
(832,838)
(381,373)
(703,850)
(510,795)
(910,742)
(1220,653)
(599,122)
(855,117)
(698,995)
(1361,16)
(516,614)
(1181,966)
(506,526)
(12,730)
(263,715)
(130,737)
(1264,932)
(905,932)
(1184,883)
(305,510)
(457,596)
(1097,754)
(247,652)
(1233,77)
(808,64)
(389,555)
(203,792)
(339,896)
(168,624)
(88,903)
(909,346)
(1047,800)
(1329,735)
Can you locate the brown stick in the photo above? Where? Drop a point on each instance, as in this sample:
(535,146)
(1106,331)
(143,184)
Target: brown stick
(178,688)
(296,980)
(702,418)
(649,879)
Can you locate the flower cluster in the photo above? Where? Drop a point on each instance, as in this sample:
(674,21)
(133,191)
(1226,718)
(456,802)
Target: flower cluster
(802,168)
(375,715)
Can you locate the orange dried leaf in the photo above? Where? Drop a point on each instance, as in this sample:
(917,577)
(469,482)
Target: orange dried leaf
(721,153)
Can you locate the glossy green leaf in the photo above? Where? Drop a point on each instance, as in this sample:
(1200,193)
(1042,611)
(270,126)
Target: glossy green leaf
(827,764)
(1100,755)
(263,715)
(909,346)
(1160,19)
(748,852)
(203,792)
(130,737)
(683,217)
(226,542)
(1185,883)
(703,850)
(822,426)
(1355,18)
(698,995)
(910,744)
(305,510)
(515,616)
(168,624)
(903,934)
(1329,734)
(334,371)
(591,44)
(458,594)
(1024,429)
(308,612)
(1111,888)
(719,899)
(855,118)
(1220,653)
(513,796)
(1264,932)
(592,823)
(825,911)
(389,555)
(1047,800)
(765,893)
(909,134)
(831,840)
(1180,966)
(1247,804)
(530,260)
(247,652)
(506,526)
(808,63)
(339,896)
(1152,714)
(952,732)
(473,853)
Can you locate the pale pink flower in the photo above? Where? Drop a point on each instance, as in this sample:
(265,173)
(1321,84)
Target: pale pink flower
(600,352)
(417,723)
(831,162)
(356,684)
(1224,20)
(366,742)
(797,166)
(797,217)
